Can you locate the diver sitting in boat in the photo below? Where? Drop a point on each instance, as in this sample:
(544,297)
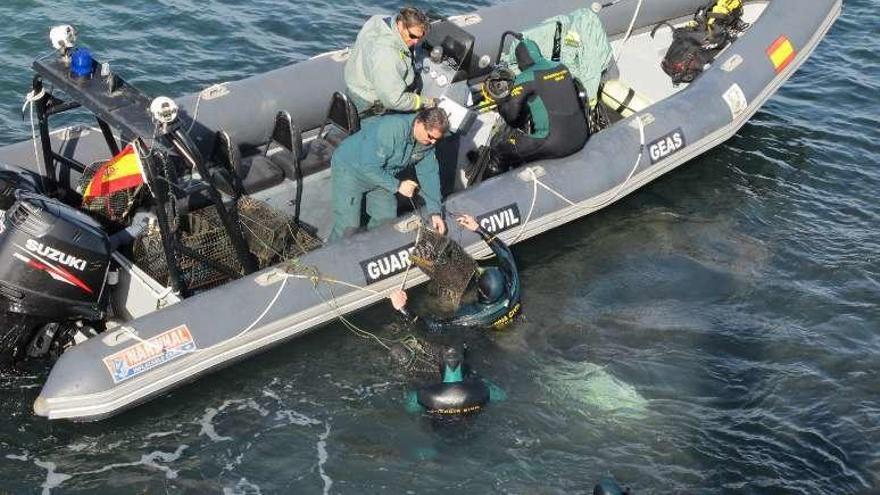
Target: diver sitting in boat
(498,290)
(370,163)
(380,73)
(545,92)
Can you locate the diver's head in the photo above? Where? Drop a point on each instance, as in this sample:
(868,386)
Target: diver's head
(527,54)
(453,359)
(490,285)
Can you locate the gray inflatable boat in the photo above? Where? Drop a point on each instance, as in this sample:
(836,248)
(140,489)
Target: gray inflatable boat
(140,331)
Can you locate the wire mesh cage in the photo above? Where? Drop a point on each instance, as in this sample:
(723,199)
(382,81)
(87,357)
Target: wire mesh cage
(114,207)
(445,262)
(270,236)
(201,232)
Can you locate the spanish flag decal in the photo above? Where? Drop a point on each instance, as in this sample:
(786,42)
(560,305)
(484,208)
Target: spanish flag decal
(123,171)
(781,53)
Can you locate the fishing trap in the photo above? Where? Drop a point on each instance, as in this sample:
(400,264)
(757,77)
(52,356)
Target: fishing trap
(209,258)
(445,262)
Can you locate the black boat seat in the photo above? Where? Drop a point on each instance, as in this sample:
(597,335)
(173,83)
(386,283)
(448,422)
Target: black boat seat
(318,154)
(285,149)
(258,172)
(342,120)
(235,175)
(192,195)
(342,114)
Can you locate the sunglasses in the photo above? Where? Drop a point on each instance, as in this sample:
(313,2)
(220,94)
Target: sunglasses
(414,36)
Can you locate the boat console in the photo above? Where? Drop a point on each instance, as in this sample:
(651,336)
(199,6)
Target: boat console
(444,62)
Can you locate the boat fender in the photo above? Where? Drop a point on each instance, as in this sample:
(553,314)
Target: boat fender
(454,399)
(622,99)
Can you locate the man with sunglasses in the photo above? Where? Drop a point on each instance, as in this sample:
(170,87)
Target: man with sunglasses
(369,165)
(380,75)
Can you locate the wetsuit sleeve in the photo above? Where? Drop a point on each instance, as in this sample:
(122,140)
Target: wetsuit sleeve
(468,316)
(428,173)
(512,108)
(431,325)
(408,315)
(503,253)
(375,155)
(388,67)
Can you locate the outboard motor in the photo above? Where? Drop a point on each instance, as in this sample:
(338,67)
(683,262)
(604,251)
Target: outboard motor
(52,278)
(12,179)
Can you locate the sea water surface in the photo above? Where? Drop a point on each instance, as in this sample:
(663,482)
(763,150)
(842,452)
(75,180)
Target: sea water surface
(715,332)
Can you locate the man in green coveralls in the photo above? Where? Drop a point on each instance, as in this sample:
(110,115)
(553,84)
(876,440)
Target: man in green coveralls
(370,162)
(379,74)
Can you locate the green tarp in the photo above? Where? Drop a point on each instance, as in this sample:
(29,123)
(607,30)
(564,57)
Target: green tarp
(585,47)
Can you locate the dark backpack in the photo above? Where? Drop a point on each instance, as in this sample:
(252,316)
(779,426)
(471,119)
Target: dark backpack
(686,57)
(696,44)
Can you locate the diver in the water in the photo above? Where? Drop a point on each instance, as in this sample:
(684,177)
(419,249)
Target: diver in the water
(460,393)
(607,486)
(498,290)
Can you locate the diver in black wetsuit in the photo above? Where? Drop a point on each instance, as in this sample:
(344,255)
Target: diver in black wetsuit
(546,92)
(498,290)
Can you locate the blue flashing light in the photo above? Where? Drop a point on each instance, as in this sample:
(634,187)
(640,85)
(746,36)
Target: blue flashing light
(81,63)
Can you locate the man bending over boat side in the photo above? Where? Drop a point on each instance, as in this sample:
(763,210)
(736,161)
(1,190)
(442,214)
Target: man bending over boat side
(380,73)
(544,91)
(369,164)
(498,290)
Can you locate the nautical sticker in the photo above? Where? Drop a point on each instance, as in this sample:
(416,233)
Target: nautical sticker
(732,63)
(387,264)
(666,145)
(504,218)
(150,353)
(736,100)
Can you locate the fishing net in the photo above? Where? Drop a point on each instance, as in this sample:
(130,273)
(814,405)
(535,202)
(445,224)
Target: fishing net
(270,236)
(414,356)
(445,262)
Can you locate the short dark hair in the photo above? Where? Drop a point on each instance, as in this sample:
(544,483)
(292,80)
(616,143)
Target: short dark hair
(434,118)
(411,17)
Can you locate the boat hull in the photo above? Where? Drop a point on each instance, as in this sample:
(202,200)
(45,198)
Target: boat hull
(167,348)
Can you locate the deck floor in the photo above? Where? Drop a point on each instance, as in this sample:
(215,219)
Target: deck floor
(639,62)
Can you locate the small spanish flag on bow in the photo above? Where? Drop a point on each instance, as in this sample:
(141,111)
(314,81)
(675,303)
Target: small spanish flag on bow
(123,171)
(781,53)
